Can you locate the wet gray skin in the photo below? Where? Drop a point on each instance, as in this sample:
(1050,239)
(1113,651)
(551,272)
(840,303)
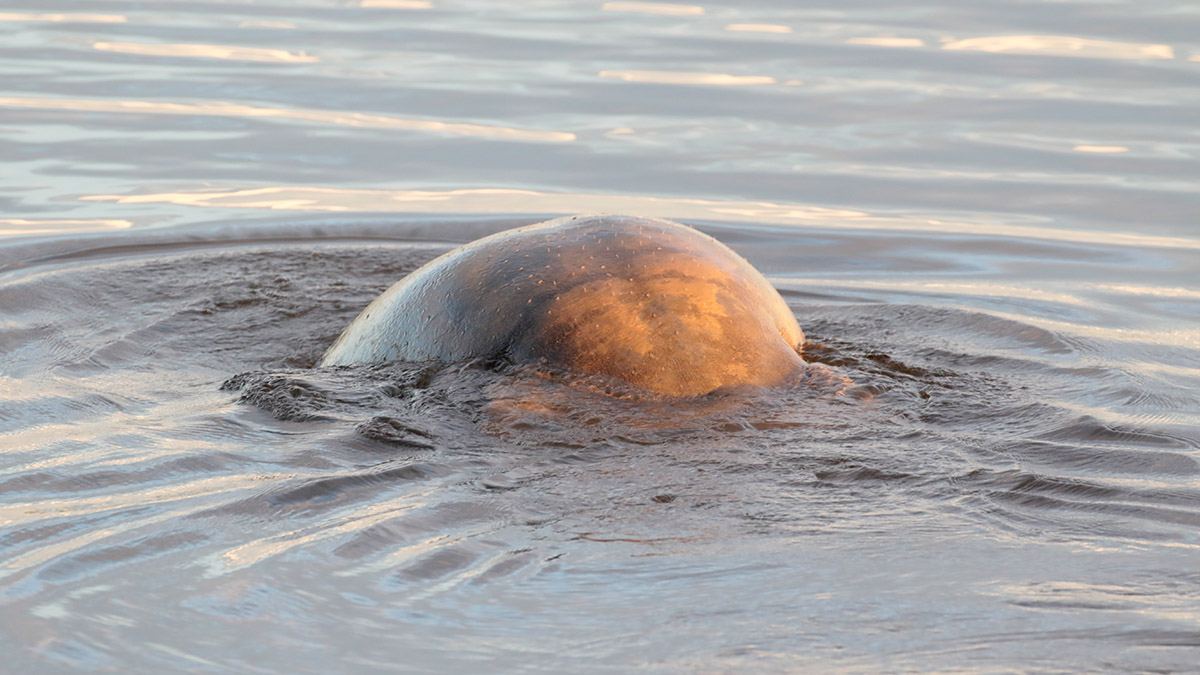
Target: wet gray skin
(651,302)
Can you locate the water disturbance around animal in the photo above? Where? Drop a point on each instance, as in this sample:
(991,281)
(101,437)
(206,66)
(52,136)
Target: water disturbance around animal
(984,220)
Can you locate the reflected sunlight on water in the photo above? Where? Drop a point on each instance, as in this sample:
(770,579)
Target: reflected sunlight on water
(503,200)
(757,28)
(662,8)
(886,41)
(1061,45)
(679,77)
(221,109)
(206,52)
(18,226)
(71,18)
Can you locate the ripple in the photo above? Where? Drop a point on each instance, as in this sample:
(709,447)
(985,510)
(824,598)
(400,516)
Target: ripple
(1061,45)
(222,52)
(73,17)
(686,77)
(659,8)
(886,41)
(396,4)
(992,460)
(480,200)
(25,226)
(321,117)
(758,28)
(1090,429)
(467,490)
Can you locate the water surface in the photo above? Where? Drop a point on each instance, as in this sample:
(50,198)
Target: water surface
(984,218)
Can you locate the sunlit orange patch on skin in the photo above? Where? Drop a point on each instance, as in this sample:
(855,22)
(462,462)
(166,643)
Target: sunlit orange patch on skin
(652,303)
(650,318)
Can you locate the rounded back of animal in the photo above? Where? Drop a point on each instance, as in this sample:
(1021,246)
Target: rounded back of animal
(651,302)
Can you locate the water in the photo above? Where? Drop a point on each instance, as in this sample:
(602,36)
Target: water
(984,217)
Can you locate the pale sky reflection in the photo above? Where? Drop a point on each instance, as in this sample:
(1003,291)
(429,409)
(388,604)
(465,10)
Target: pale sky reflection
(334,117)
(949,289)
(662,8)
(1182,337)
(476,200)
(1131,599)
(1061,45)
(683,77)
(256,551)
(1188,293)
(15,514)
(509,201)
(1179,337)
(258,23)
(223,52)
(22,513)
